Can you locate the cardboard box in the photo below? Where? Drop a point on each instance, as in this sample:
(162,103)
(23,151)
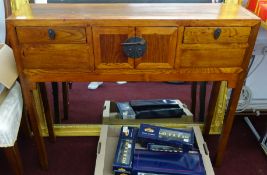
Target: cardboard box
(111,116)
(8,69)
(107,145)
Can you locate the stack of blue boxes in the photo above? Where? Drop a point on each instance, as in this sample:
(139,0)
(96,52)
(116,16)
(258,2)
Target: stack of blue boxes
(164,151)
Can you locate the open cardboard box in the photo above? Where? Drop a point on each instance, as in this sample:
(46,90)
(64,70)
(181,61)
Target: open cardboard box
(111,116)
(8,70)
(107,145)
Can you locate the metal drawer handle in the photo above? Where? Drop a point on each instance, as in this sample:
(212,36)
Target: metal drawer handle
(217,33)
(51,34)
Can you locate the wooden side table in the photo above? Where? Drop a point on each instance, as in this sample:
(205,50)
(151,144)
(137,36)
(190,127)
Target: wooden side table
(63,42)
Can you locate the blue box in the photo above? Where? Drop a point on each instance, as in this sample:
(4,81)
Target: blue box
(166,136)
(167,163)
(125,149)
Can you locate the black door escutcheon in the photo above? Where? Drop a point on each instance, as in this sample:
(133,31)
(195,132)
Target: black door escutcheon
(51,34)
(217,33)
(134,47)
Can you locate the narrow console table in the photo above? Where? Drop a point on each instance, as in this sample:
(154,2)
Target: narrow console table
(133,42)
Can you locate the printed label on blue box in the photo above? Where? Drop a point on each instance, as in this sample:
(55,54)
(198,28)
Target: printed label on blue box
(174,135)
(125,149)
(163,148)
(166,136)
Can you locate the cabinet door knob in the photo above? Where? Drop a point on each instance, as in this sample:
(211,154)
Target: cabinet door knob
(51,34)
(217,33)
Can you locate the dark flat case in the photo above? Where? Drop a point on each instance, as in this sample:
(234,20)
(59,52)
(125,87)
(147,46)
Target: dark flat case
(139,105)
(168,163)
(160,113)
(158,108)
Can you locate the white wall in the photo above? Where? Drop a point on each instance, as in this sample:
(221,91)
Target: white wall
(40,1)
(257,81)
(2,22)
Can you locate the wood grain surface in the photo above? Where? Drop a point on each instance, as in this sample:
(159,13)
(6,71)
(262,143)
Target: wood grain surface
(206,35)
(40,35)
(87,47)
(108,49)
(161,47)
(156,11)
(56,56)
(212,57)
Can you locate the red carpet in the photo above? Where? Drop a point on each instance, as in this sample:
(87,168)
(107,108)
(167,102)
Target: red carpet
(86,105)
(76,155)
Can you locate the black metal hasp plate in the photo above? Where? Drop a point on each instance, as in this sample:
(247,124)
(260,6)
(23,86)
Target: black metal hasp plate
(134,47)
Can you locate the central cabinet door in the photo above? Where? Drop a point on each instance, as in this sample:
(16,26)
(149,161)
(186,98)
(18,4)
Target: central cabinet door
(108,49)
(160,52)
(161,47)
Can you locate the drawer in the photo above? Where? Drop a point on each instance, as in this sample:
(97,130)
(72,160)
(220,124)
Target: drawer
(212,57)
(51,34)
(201,35)
(107,145)
(56,56)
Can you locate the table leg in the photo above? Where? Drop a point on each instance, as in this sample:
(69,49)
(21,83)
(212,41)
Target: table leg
(228,123)
(56,103)
(65,94)
(212,104)
(193,97)
(25,126)
(234,98)
(39,140)
(47,111)
(13,157)
(202,100)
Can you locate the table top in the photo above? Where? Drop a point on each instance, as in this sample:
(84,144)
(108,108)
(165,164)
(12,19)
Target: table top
(128,11)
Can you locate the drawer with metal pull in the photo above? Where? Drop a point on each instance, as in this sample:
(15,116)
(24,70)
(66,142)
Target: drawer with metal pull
(56,56)
(205,35)
(216,57)
(51,34)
